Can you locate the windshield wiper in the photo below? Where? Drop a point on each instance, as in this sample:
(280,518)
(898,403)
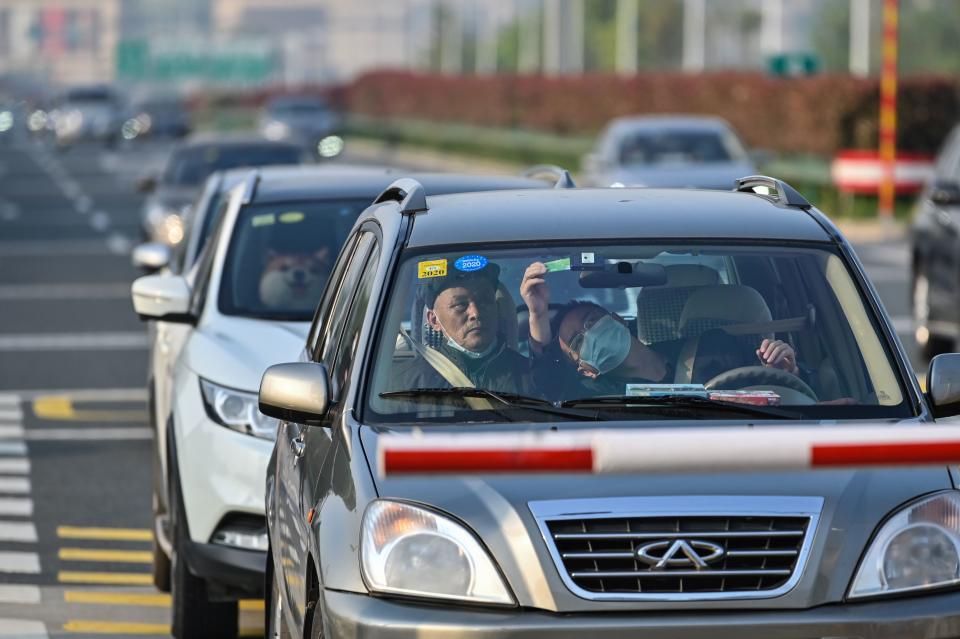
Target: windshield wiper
(510,400)
(680,401)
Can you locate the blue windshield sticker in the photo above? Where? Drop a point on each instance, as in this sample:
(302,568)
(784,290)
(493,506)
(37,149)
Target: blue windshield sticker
(469,263)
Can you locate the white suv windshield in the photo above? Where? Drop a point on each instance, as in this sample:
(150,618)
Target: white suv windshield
(689,331)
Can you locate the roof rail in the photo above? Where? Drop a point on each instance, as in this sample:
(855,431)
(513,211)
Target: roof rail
(409,193)
(562,176)
(250,186)
(778,189)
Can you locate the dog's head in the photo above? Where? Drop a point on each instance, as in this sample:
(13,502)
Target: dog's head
(294,279)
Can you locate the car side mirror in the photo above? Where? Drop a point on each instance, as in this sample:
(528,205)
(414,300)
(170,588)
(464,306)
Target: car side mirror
(943,384)
(147,184)
(162,297)
(945,193)
(295,392)
(151,256)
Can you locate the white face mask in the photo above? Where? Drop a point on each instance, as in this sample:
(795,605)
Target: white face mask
(462,349)
(606,345)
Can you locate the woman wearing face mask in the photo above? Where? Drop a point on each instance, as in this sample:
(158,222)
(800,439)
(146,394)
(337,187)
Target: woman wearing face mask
(606,356)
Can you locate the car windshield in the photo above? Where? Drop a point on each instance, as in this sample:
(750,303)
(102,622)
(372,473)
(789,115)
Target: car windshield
(679,147)
(280,256)
(633,331)
(192,165)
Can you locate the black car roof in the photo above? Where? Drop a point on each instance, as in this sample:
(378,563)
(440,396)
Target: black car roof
(610,214)
(302,183)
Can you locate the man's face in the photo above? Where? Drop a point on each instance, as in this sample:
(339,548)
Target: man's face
(467,315)
(574,326)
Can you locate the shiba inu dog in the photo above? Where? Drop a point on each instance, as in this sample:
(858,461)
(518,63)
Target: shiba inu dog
(294,281)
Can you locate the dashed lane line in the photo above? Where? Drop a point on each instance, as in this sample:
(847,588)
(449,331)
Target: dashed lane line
(116,628)
(96,341)
(104,534)
(105,578)
(88,434)
(15,466)
(113,556)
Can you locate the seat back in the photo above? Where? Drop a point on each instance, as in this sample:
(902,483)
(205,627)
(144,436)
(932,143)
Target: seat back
(659,307)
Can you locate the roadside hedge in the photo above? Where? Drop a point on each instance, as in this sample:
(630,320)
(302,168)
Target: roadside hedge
(815,115)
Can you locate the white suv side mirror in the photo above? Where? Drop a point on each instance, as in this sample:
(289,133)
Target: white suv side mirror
(151,256)
(162,297)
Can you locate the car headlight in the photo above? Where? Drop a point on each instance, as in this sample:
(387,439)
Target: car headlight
(917,548)
(237,410)
(412,551)
(276,130)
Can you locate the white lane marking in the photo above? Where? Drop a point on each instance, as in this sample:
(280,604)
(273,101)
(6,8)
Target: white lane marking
(9,398)
(89,434)
(13,594)
(15,466)
(10,413)
(119,244)
(57,248)
(89,394)
(100,221)
(23,629)
(73,341)
(19,562)
(23,531)
(16,506)
(11,431)
(14,486)
(119,290)
(13,449)
(83,204)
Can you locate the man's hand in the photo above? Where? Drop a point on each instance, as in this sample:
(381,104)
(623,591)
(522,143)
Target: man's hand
(778,354)
(534,289)
(536,295)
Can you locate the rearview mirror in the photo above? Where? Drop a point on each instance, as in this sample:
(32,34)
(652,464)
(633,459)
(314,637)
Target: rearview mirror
(943,384)
(295,392)
(945,193)
(151,256)
(162,297)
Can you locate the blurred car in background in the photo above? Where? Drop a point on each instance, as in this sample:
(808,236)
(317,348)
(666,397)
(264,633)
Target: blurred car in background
(306,120)
(246,303)
(157,117)
(935,255)
(178,185)
(87,113)
(668,151)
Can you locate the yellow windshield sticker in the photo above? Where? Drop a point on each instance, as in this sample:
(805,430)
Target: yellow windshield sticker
(265,219)
(432,268)
(291,217)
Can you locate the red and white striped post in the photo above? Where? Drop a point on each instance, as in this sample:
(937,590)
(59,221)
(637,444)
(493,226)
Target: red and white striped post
(888,106)
(668,450)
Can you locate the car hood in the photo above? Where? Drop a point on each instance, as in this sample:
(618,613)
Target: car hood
(701,176)
(498,509)
(234,351)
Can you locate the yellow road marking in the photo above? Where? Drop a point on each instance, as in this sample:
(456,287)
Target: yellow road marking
(115,578)
(117,628)
(117,598)
(61,408)
(120,556)
(104,534)
(141,599)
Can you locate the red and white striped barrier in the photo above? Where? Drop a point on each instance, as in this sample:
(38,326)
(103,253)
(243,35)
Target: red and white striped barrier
(668,450)
(863,171)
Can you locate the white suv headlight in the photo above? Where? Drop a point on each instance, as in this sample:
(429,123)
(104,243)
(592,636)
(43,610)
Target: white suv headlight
(408,550)
(237,410)
(917,548)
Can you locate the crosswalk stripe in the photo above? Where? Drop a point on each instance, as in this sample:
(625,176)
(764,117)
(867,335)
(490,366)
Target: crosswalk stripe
(116,628)
(89,434)
(23,531)
(14,485)
(15,466)
(11,414)
(8,399)
(23,629)
(11,431)
(117,556)
(18,506)
(113,578)
(13,448)
(117,598)
(19,562)
(13,594)
(104,534)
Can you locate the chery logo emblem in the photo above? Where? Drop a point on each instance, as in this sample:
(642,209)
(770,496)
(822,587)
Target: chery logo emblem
(679,553)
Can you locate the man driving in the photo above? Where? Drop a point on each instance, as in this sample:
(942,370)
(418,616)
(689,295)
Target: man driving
(598,344)
(462,308)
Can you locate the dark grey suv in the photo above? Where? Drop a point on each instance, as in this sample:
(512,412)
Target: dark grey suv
(541,313)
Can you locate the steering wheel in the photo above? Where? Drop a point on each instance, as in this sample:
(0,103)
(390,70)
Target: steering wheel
(746,376)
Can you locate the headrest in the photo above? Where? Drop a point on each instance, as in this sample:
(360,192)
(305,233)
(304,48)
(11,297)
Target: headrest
(724,304)
(691,275)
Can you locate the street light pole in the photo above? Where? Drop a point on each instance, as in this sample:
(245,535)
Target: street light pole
(628,13)
(694,35)
(860,37)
